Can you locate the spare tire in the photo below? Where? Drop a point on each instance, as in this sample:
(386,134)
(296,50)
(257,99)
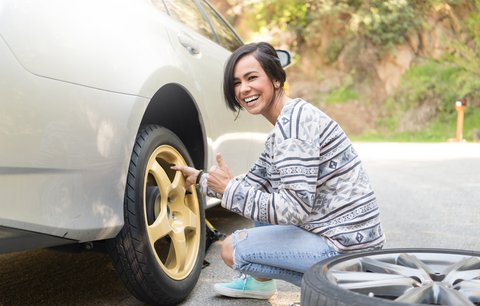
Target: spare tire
(396,277)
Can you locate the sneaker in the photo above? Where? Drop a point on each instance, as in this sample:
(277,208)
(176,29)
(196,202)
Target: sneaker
(246,286)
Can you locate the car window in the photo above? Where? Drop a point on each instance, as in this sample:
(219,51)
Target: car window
(228,39)
(186,11)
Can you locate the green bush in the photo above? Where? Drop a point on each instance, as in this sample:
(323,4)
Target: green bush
(385,22)
(342,94)
(438,84)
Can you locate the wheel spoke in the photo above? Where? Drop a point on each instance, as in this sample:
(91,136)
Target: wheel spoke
(191,219)
(417,295)
(468,268)
(160,228)
(454,276)
(470,289)
(384,267)
(161,177)
(180,244)
(409,260)
(352,277)
(449,296)
(178,183)
(382,287)
(469,263)
(184,218)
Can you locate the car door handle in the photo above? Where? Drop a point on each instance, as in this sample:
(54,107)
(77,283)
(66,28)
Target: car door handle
(188,43)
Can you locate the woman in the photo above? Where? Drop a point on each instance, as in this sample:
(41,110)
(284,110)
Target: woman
(308,182)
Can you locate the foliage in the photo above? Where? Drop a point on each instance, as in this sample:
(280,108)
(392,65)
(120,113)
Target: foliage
(342,94)
(466,57)
(473,25)
(282,14)
(287,16)
(332,51)
(436,131)
(349,28)
(385,22)
(431,81)
(439,84)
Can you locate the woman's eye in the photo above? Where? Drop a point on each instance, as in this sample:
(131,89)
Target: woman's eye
(253,77)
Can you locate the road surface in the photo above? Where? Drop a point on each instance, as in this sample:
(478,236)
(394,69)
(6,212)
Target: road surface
(429,196)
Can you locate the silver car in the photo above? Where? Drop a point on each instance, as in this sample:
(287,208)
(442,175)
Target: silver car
(98,99)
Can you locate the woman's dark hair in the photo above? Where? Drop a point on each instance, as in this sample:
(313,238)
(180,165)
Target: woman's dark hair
(266,55)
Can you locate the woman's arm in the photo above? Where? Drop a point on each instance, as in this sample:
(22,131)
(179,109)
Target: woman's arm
(297,163)
(213,183)
(190,173)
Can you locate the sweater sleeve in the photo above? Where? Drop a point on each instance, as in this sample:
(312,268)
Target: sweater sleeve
(296,163)
(255,178)
(205,190)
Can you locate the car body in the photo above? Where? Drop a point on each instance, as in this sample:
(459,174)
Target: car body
(92,91)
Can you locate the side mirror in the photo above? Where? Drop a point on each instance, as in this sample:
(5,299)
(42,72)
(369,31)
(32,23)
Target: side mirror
(285,57)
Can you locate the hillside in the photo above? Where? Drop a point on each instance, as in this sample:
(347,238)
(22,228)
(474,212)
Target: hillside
(386,69)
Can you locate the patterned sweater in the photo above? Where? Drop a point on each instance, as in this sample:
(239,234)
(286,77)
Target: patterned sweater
(309,175)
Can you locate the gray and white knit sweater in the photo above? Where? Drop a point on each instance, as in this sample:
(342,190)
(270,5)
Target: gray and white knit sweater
(309,175)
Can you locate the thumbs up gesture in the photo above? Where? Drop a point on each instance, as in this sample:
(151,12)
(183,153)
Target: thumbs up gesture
(219,175)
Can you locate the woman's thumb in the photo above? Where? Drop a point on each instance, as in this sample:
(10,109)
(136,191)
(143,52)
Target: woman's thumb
(220,162)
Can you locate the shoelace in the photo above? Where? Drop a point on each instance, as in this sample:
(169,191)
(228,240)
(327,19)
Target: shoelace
(243,277)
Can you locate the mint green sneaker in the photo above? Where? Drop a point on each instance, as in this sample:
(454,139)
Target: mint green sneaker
(246,286)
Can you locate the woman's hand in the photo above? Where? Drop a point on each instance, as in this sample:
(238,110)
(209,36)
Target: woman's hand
(219,175)
(189,173)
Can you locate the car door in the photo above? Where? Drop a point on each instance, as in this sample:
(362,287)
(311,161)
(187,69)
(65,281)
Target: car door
(241,139)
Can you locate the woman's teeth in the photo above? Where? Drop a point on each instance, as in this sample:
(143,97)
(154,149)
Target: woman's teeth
(250,99)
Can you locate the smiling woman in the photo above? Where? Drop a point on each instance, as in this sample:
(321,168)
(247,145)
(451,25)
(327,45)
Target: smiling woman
(308,184)
(255,91)
(261,70)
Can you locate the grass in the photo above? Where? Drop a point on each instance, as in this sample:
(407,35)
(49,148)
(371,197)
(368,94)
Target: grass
(342,94)
(436,85)
(438,131)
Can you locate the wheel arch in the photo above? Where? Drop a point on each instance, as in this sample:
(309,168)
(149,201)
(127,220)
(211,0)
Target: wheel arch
(174,108)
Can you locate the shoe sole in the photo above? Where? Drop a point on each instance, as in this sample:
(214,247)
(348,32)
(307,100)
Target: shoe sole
(243,294)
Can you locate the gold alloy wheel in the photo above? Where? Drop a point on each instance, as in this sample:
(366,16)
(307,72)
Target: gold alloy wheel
(172,214)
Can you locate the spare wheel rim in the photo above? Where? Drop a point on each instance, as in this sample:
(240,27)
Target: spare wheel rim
(418,278)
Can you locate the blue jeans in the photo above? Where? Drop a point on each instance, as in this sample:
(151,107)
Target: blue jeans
(278,251)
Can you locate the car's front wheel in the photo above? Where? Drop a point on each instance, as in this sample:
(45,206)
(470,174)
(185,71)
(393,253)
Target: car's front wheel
(159,252)
(395,277)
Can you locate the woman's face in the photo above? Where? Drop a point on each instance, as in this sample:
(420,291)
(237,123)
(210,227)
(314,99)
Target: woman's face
(253,89)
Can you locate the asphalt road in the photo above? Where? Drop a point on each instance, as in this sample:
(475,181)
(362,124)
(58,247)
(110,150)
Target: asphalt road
(429,196)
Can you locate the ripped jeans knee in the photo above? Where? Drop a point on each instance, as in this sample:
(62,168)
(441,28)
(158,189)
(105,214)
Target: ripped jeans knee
(237,237)
(277,251)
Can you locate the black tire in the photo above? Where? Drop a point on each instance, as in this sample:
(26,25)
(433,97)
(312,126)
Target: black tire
(342,280)
(159,262)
